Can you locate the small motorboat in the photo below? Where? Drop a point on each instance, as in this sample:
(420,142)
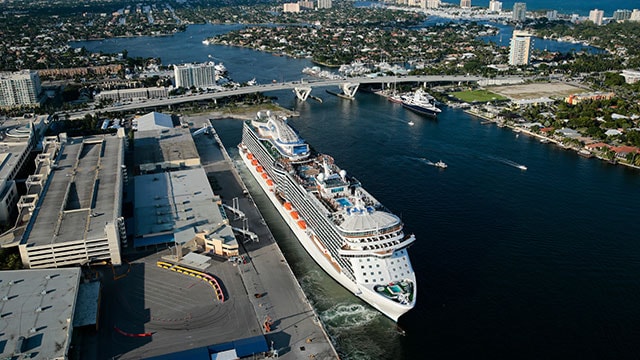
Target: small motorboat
(440,164)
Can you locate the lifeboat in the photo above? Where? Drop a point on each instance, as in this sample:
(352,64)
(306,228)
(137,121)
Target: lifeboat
(294,214)
(302,224)
(254,162)
(259,169)
(265,176)
(287,205)
(269,182)
(250,156)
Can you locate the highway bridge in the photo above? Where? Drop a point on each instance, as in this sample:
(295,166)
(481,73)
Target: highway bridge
(302,89)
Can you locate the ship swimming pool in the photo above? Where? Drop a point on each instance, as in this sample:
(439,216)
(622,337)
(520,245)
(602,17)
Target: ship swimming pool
(344,202)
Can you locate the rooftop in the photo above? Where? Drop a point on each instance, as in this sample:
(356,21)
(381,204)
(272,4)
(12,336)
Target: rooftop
(158,146)
(171,202)
(154,121)
(37,311)
(79,197)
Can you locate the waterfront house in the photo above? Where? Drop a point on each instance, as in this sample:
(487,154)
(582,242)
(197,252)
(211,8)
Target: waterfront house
(597,146)
(566,132)
(623,151)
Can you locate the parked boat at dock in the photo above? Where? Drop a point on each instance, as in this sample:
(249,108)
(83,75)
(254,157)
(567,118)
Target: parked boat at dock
(421,102)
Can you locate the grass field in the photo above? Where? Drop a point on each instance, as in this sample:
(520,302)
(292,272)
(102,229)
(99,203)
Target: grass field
(477,96)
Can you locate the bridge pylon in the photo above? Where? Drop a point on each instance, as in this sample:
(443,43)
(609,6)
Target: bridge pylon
(349,89)
(302,93)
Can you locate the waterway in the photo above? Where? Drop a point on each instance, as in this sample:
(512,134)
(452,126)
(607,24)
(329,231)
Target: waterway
(538,264)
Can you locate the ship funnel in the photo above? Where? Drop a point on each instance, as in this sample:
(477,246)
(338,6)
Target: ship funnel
(343,175)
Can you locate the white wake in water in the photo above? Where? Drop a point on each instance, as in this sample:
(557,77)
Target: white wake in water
(509,162)
(348,315)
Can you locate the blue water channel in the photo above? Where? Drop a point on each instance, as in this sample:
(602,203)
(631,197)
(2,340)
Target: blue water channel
(542,263)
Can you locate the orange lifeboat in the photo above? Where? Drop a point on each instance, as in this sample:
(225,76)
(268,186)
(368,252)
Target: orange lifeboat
(254,162)
(294,214)
(265,176)
(250,156)
(302,224)
(259,169)
(287,205)
(269,182)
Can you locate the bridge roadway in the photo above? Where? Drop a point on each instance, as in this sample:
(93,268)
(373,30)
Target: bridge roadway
(151,103)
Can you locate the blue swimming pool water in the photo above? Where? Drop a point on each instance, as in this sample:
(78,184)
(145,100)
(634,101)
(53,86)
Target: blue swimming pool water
(344,202)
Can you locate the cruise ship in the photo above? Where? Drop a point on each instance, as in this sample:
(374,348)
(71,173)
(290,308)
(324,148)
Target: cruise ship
(421,102)
(349,233)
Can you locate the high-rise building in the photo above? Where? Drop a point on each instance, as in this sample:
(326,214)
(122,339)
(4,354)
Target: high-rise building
(495,6)
(596,16)
(621,15)
(197,75)
(635,15)
(520,48)
(519,11)
(19,88)
(432,4)
(465,4)
(306,5)
(552,15)
(291,7)
(324,4)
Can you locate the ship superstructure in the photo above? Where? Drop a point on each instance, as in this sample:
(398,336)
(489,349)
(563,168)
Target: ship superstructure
(349,233)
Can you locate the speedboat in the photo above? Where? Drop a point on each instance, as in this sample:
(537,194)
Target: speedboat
(411,123)
(522,167)
(440,164)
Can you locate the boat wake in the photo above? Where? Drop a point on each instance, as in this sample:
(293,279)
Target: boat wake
(438,164)
(427,161)
(510,163)
(348,316)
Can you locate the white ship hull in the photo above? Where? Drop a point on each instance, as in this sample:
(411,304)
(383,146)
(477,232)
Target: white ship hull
(322,257)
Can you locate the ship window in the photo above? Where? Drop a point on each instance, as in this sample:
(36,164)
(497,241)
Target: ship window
(361,266)
(370,266)
(379,272)
(372,273)
(378,265)
(365,280)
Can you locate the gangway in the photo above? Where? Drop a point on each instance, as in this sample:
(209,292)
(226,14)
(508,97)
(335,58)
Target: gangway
(248,233)
(235,210)
(206,129)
